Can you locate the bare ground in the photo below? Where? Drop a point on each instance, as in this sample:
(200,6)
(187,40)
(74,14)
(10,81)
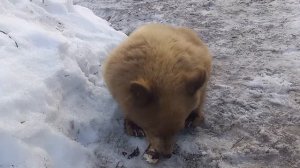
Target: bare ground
(253,104)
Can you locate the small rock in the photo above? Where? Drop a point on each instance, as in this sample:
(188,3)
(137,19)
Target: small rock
(124,153)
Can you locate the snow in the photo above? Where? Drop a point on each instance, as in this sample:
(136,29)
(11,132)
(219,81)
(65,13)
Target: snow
(56,111)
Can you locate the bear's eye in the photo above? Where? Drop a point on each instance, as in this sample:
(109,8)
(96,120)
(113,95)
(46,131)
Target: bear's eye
(141,93)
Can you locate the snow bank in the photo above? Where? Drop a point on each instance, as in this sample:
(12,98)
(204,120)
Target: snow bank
(54,108)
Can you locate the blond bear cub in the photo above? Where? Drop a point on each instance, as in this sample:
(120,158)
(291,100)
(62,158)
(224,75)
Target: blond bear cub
(158,76)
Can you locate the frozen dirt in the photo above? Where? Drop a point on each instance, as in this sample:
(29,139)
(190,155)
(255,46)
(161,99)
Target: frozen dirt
(253,104)
(55,111)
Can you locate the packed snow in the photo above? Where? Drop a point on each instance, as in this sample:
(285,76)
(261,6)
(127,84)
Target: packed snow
(55,110)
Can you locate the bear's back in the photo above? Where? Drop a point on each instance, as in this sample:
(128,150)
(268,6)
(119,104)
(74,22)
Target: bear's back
(158,53)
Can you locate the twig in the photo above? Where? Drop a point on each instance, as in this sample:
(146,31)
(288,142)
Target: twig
(237,142)
(10,37)
(118,165)
(42,1)
(135,153)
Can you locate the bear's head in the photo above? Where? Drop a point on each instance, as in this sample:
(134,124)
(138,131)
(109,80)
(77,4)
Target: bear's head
(160,107)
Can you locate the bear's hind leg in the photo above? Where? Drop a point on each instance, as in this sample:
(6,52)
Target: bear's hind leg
(132,129)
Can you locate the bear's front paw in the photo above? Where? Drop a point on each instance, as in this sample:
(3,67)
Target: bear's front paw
(132,129)
(194,120)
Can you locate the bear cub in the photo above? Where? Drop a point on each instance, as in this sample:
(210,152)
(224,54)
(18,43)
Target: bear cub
(158,76)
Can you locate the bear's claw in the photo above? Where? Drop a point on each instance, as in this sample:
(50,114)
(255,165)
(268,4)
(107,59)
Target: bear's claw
(195,119)
(189,121)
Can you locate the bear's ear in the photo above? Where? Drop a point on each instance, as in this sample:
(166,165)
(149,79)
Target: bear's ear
(195,81)
(141,92)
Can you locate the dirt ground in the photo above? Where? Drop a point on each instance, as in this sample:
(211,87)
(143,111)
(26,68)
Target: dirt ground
(253,104)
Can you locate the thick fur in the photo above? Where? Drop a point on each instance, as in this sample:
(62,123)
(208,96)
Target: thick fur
(158,75)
